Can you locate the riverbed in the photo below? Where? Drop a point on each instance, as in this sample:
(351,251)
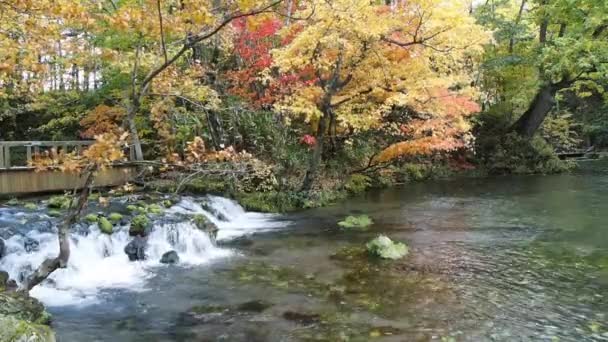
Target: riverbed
(496,259)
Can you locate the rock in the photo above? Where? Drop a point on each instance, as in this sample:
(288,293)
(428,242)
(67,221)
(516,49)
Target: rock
(2,249)
(91,218)
(136,248)
(115,217)
(301,318)
(23,319)
(204,224)
(254,306)
(241,241)
(139,225)
(155,209)
(30,206)
(105,226)
(170,257)
(11,285)
(30,245)
(4,277)
(59,202)
(54,213)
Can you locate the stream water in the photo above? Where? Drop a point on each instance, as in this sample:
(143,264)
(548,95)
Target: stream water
(498,259)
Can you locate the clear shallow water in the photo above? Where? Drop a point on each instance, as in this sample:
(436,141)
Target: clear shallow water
(502,259)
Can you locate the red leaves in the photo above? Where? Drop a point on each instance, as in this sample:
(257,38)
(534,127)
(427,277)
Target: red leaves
(308,140)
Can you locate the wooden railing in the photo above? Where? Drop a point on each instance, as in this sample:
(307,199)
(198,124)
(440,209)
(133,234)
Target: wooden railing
(19,154)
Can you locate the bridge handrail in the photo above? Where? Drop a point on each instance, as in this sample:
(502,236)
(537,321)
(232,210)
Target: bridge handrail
(5,149)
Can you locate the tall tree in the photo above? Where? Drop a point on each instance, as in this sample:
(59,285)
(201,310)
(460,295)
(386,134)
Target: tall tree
(364,59)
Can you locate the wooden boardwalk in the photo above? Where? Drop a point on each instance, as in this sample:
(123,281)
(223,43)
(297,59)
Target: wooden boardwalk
(18,177)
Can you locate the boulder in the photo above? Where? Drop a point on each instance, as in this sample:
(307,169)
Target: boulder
(203,223)
(30,245)
(136,249)
(170,257)
(23,318)
(2,248)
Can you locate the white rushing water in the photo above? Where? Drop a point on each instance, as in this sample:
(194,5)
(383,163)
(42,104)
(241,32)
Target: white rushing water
(98,261)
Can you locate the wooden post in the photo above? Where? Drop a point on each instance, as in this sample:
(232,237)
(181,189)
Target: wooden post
(7,157)
(29,154)
(1,156)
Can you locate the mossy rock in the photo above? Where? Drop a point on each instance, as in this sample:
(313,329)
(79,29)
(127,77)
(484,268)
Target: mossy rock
(13,202)
(361,222)
(105,226)
(91,218)
(13,329)
(132,208)
(385,248)
(54,213)
(30,206)
(204,224)
(59,202)
(23,307)
(154,209)
(139,224)
(115,217)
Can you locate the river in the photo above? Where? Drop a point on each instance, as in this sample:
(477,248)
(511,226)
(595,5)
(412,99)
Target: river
(496,259)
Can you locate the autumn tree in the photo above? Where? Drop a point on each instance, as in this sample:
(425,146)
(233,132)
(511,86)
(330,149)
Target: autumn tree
(365,59)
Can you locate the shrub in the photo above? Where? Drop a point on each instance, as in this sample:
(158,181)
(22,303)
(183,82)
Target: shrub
(357,183)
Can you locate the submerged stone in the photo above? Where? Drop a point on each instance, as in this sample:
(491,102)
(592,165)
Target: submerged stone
(254,306)
(2,248)
(301,317)
(30,206)
(170,257)
(54,213)
(59,202)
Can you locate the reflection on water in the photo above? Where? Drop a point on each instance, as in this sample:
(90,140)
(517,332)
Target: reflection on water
(501,259)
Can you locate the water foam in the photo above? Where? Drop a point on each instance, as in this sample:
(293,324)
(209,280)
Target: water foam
(98,261)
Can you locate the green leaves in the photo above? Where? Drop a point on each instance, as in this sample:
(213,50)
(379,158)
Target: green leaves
(385,248)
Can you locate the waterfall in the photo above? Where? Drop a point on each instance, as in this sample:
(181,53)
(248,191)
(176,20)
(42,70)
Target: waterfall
(98,261)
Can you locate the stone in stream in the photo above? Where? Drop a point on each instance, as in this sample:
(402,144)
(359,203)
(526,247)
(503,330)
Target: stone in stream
(30,245)
(23,318)
(204,224)
(4,277)
(302,318)
(136,249)
(170,257)
(2,248)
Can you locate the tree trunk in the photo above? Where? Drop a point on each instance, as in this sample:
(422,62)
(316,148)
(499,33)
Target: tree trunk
(542,104)
(317,152)
(61,261)
(139,155)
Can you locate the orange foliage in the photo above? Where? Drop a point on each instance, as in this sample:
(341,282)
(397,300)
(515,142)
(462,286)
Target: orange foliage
(102,119)
(445,131)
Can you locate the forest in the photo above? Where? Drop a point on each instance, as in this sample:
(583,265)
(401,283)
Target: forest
(280,106)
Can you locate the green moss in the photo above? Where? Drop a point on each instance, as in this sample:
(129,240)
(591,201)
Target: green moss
(385,248)
(59,202)
(361,222)
(279,277)
(13,202)
(154,209)
(105,226)
(54,213)
(139,224)
(91,218)
(30,206)
(132,208)
(115,217)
